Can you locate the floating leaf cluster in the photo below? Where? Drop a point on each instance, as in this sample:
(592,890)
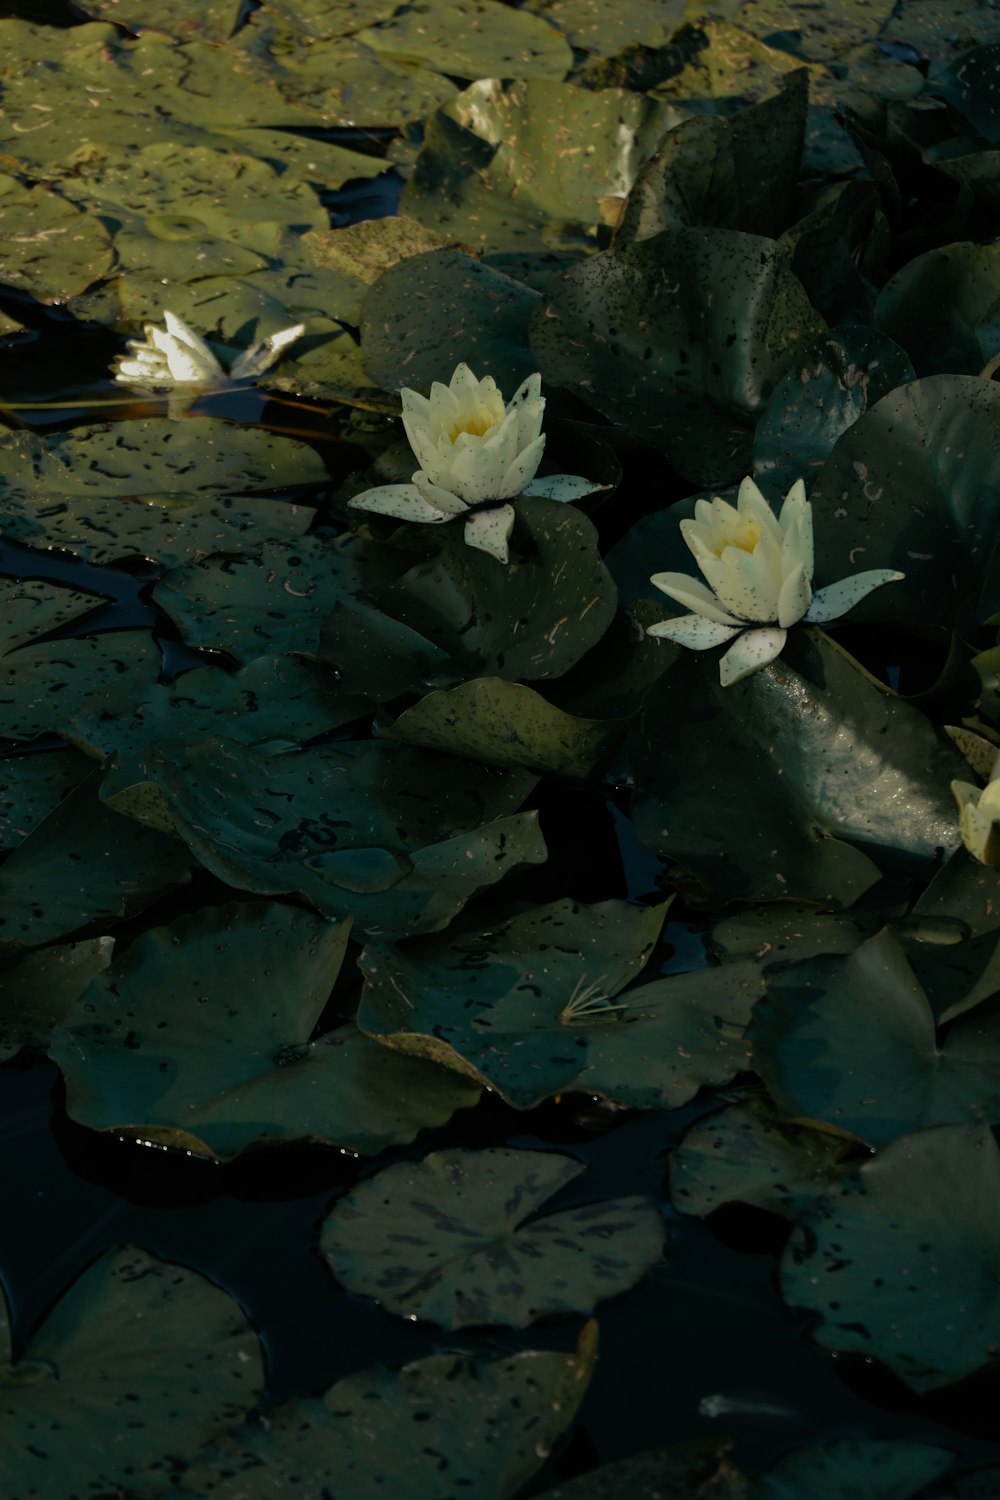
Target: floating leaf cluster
(280,863)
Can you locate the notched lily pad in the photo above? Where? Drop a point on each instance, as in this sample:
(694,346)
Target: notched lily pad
(455,1239)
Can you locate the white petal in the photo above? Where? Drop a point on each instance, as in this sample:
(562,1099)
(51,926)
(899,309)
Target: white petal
(562,487)
(751,502)
(793,601)
(694,631)
(488,531)
(523,469)
(746,583)
(695,596)
(837,598)
(262,355)
(435,494)
(404,501)
(753,650)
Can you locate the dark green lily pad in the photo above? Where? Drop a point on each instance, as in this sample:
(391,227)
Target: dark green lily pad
(446,1425)
(42,686)
(782,933)
(835,381)
(185,20)
(32,785)
(839,251)
(805,1036)
(816,35)
(744,1154)
(547,1013)
(488,174)
(855,1469)
(31,607)
(681,339)
(40,990)
(138,1363)
(754,787)
(431,311)
(446,1239)
(899,1263)
(915,485)
(472,39)
(397,838)
(507,724)
(962,284)
(199,1038)
(965,892)
(943,29)
(699,1466)
(82,864)
(49,248)
(736,171)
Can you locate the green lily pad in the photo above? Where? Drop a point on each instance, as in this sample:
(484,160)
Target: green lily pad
(546,1015)
(323,19)
(962,284)
(602,31)
(914,485)
(697,1466)
(40,990)
(754,787)
(805,1038)
(819,36)
(273,698)
(42,685)
(736,171)
(32,607)
(489,176)
(431,311)
(472,39)
(446,1239)
(49,247)
(199,1038)
(855,1469)
(446,1425)
(839,252)
(138,1363)
(963,891)
(32,785)
(943,29)
(744,1154)
(835,382)
(507,724)
(681,339)
(397,838)
(185,20)
(899,1263)
(81,864)
(784,932)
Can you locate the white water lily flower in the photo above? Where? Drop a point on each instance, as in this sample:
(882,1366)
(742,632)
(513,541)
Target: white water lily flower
(760,569)
(175,358)
(475,453)
(979,817)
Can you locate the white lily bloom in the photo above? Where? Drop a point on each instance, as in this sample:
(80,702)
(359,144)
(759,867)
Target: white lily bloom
(175,358)
(475,453)
(760,569)
(979,816)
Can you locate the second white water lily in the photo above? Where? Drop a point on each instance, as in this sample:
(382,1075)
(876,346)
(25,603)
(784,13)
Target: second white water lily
(759,567)
(176,359)
(475,455)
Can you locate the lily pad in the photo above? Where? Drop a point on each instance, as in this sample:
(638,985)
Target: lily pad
(49,248)
(602,31)
(545,1015)
(681,339)
(819,36)
(140,1362)
(185,20)
(42,685)
(397,838)
(915,485)
(899,1262)
(805,1036)
(855,1469)
(32,786)
(744,1154)
(82,864)
(839,253)
(962,283)
(199,1038)
(456,1239)
(472,39)
(674,1473)
(40,990)
(485,1426)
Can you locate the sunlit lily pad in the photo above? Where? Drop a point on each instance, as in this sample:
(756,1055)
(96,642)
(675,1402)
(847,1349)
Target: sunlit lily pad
(199,1038)
(185,20)
(83,864)
(397,838)
(681,339)
(549,1011)
(472,39)
(899,1263)
(446,1239)
(48,247)
(40,990)
(485,1426)
(138,1363)
(603,30)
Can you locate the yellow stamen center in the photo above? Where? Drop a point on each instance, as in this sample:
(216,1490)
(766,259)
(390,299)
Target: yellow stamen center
(744,534)
(476,425)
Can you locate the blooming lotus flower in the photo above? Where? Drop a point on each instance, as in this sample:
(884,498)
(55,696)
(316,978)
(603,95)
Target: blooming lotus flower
(760,568)
(979,815)
(176,359)
(475,454)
